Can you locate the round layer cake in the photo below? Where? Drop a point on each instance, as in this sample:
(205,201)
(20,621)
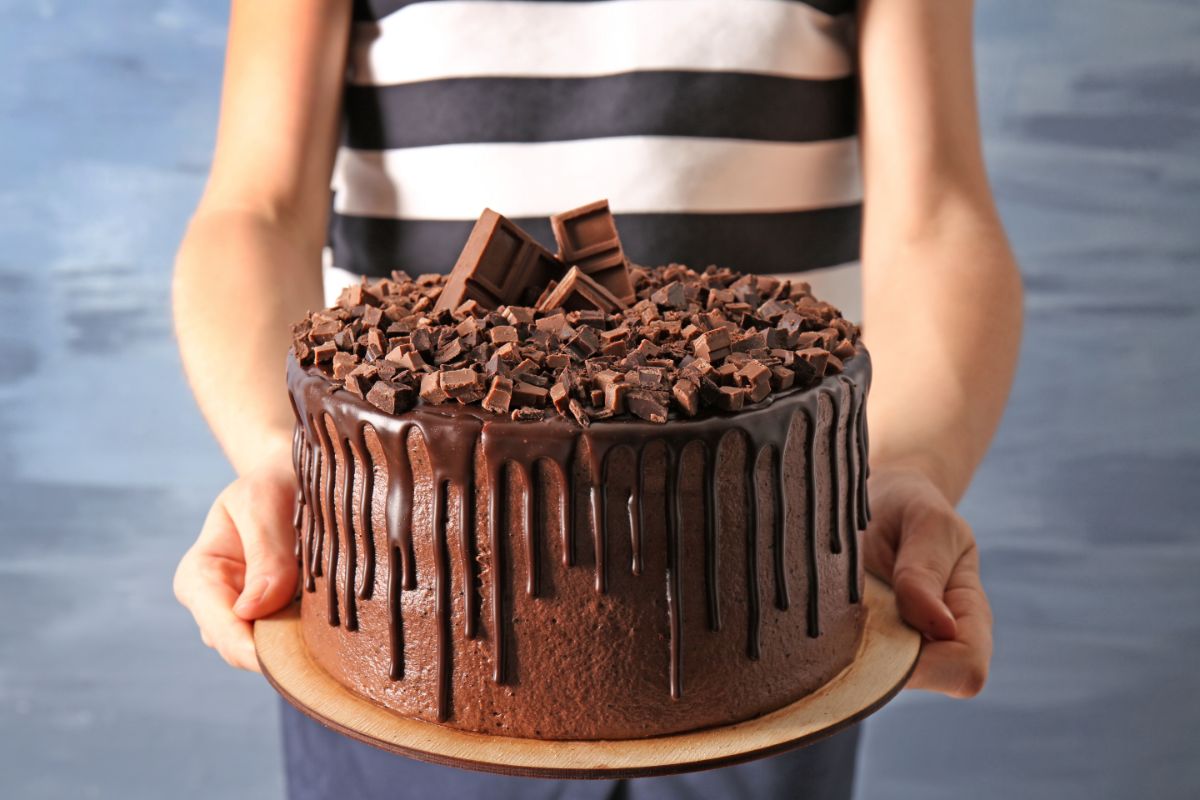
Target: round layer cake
(559,521)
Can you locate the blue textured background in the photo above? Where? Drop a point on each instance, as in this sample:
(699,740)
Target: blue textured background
(1087,509)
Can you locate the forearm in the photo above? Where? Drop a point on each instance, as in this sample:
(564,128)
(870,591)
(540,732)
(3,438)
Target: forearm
(241,280)
(942,320)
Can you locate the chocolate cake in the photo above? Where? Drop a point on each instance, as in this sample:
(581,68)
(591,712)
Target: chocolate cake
(558,496)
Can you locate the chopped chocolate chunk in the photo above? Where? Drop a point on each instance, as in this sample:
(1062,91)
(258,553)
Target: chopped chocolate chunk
(615,396)
(710,392)
(498,266)
(587,238)
(468,327)
(407,357)
(343,363)
(376,342)
(527,394)
(577,291)
(782,378)
(644,404)
(423,340)
(756,377)
(672,295)
(458,382)
(527,414)
(390,398)
(356,385)
(731,398)
(615,349)
(555,323)
(372,316)
(584,342)
(351,296)
(651,377)
(502,334)
(588,317)
(749,342)
(526,366)
(344,339)
(683,343)
(431,389)
(828,337)
(687,395)
(559,396)
(499,396)
(815,357)
(712,345)
(324,352)
(518,315)
(323,330)
(450,351)
(578,412)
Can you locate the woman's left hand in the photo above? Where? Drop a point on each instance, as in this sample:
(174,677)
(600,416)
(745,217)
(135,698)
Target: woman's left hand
(919,544)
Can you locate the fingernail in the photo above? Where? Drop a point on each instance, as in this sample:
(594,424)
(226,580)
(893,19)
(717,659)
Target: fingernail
(251,655)
(252,595)
(944,627)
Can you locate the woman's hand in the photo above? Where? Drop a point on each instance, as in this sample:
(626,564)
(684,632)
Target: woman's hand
(926,551)
(243,564)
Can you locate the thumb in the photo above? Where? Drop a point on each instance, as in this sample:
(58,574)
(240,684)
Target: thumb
(931,542)
(268,543)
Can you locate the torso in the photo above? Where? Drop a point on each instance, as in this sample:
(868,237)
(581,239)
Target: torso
(721,131)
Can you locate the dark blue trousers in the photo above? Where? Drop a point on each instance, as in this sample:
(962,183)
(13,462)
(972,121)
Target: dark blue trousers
(324,765)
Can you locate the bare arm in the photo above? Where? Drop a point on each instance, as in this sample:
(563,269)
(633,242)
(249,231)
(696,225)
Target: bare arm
(249,265)
(942,318)
(248,268)
(942,295)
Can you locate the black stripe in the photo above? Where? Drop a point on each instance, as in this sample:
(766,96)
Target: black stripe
(374,10)
(706,104)
(779,242)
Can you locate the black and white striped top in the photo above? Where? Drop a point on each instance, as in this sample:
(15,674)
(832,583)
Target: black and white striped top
(721,131)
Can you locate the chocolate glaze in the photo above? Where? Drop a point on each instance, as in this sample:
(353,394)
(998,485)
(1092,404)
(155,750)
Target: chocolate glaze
(453,434)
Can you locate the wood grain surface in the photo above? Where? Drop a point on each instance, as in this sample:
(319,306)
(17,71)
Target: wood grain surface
(886,658)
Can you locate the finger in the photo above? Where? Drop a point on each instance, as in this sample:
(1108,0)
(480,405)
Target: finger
(932,543)
(231,636)
(208,582)
(959,668)
(263,518)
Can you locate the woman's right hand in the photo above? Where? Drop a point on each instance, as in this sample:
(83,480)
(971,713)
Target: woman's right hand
(243,564)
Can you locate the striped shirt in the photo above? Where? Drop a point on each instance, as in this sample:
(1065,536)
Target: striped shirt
(721,131)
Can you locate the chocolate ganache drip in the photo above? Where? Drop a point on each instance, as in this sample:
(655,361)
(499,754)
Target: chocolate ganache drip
(452,436)
(648,358)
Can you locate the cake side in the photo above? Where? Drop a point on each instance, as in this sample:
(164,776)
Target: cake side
(606,601)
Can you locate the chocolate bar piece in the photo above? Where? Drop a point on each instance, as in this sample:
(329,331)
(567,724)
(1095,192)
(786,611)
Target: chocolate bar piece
(498,266)
(587,238)
(577,291)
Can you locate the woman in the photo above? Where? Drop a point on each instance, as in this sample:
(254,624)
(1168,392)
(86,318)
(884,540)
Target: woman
(766,135)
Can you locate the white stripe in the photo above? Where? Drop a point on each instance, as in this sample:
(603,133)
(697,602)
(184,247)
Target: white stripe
(481,38)
(638,174)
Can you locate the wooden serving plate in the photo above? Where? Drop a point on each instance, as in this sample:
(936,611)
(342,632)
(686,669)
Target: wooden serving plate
(886,657)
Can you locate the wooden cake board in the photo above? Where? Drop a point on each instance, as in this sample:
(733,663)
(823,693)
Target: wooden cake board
(886,658)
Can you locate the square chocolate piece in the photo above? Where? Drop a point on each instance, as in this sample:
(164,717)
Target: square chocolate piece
(499,265)
(578,292)
(587,238)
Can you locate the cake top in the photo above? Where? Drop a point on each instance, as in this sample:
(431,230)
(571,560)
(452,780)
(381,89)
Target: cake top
(515,330)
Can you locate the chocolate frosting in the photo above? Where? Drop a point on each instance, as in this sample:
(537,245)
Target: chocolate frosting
(339,466)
